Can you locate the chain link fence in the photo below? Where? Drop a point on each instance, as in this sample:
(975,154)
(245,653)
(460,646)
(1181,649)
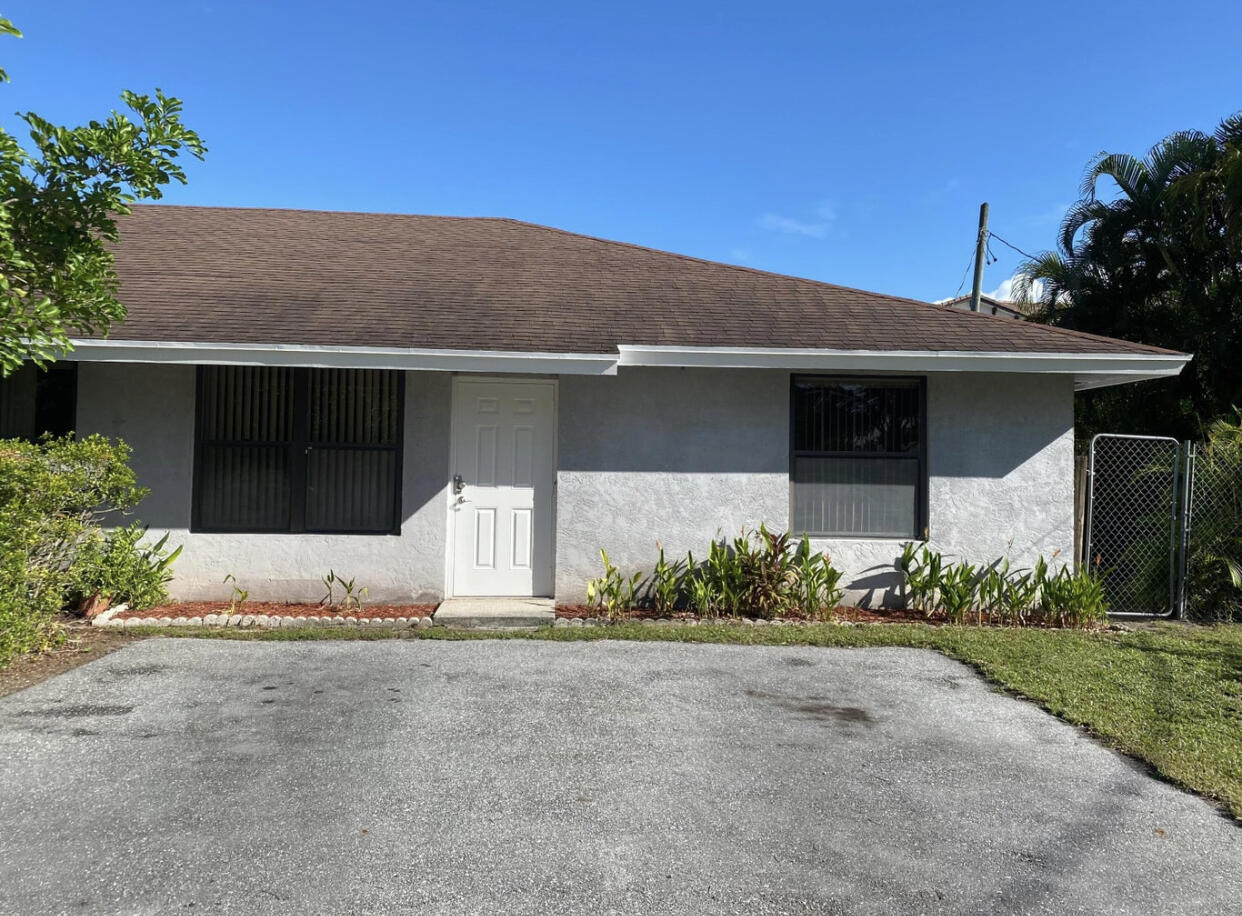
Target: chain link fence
(1132,522)
(1164,525)
(1213,520)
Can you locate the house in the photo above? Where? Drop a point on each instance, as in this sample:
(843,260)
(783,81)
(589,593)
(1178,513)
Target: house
(446,406)
(989,306)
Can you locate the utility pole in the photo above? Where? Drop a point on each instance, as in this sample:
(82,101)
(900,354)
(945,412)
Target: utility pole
(980,248)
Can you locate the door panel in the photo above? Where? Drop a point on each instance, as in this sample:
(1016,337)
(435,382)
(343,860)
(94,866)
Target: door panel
(503,448)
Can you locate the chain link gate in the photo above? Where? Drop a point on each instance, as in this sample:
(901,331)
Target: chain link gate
(1133,525)
(1213,526)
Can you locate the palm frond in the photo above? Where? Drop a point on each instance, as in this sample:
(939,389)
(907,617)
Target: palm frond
(1230,130)
(1179,153)
(1077,217)
(1128,172)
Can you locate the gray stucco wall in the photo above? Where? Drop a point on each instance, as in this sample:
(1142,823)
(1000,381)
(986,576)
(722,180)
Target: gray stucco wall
(676,455)
(152,408)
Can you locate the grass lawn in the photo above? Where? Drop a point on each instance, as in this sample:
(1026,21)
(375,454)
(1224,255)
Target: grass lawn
(1169,694)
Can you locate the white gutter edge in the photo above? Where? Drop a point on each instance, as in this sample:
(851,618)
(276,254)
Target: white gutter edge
(1090,370)
(443,360)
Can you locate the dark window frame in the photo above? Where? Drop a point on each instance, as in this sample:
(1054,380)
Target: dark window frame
(921,532)
(54,400)
(299,447)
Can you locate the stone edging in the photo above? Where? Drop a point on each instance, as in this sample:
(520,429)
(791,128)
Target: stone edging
(264,620)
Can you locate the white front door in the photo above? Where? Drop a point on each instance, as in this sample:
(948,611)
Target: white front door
(504,468)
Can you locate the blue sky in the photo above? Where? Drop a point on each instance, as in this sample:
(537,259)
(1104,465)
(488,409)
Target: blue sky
(849,142)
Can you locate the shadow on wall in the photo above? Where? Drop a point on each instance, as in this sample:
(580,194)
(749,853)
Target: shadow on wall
(675,421)
(879,586)
(989,425)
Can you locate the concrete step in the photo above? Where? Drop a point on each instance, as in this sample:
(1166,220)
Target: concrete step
(495,613)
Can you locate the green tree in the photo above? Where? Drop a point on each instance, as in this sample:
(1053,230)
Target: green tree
(58,203)
(1158,262)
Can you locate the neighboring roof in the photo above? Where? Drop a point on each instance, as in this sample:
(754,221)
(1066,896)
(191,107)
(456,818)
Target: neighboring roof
(280,278)
(990,306)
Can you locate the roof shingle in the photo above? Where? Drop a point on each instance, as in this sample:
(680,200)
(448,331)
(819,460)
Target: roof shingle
(233,275)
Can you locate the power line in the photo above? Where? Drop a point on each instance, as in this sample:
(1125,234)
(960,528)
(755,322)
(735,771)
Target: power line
(1011,245)
(965,274)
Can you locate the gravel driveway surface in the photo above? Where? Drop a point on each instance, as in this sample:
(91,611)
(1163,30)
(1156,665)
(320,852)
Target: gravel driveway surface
(494,777)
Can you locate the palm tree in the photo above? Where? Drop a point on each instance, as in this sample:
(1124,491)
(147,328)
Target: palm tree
(1158,261)
(1128,234)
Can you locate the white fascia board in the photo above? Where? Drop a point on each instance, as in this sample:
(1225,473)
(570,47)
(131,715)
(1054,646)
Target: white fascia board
(1090,370)
(441,360)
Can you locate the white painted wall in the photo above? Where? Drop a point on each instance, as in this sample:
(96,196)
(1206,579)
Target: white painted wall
(152,408)
(675,455)
(671,455)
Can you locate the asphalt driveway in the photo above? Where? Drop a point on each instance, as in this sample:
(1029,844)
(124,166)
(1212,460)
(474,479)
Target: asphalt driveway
(535,777)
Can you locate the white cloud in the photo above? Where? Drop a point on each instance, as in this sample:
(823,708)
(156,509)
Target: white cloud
(741,254)
(774,222)
(1005,292)
(827,211)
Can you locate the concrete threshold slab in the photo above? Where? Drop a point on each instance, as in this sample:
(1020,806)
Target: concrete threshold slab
(495,613)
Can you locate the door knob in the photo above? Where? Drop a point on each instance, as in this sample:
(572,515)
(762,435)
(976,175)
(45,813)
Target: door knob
(458,484)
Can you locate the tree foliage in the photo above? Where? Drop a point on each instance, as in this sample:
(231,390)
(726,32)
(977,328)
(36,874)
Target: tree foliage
(1160,262)
(58,203)
(62,537)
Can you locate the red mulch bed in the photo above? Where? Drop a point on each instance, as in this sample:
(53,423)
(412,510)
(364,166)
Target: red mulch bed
(281,609)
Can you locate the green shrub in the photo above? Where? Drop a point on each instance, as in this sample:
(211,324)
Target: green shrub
(1073,599)
(996,592)
(612,592)
(757,574)
(55,497)
(26,621)
(117,565)
(959,591)
(921,573)
(816,582)
(668,582)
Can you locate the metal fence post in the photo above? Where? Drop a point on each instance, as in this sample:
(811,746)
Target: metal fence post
(1188,512)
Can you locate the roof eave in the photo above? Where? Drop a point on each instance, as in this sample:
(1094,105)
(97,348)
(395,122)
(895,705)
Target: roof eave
(1089,370)
(332,357)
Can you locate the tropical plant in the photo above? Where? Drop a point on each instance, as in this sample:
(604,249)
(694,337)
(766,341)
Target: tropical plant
(816,581)
(1152,252)
(921,570)
(239,597)
(701,590)
(758,573)
(958,591)
(724,569)
(1073,599)
(612,592)
(768,574)
(58,203)
(668,581)
(351,595)
(999,593)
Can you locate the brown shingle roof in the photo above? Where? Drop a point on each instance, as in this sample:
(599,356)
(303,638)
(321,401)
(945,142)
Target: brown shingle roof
(230,275)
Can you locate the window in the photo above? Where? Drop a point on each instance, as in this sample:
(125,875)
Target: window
(857,457)
(291,450)
(35,401)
